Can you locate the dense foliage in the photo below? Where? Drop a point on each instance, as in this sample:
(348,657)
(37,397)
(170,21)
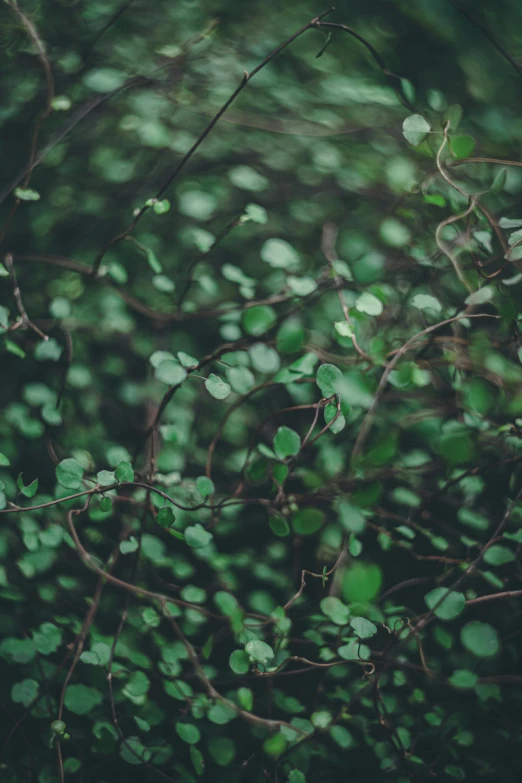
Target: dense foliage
(260,450)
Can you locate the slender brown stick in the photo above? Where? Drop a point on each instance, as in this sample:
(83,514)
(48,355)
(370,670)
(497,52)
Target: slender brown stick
(25,320)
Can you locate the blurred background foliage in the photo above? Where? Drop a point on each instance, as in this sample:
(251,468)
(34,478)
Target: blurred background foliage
(310,236)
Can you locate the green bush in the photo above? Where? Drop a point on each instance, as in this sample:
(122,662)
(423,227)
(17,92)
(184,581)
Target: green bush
(261,367)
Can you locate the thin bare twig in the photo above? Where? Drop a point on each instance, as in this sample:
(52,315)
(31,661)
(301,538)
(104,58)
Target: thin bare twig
(24,318)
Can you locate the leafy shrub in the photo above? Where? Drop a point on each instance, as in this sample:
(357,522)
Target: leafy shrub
(260,455)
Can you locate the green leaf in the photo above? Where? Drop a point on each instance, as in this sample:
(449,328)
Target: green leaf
(258,319)
(462,678)
(279,254)
(162,206)
(198,761)
(394,233)
(98,655)
(452,604)
(47,638)
(170,372)
(256,213)
(331,414)
(236,275)
(351,517)
(25,692)
(163,283)
(342,269)
(483,295)
(241,379)
(327,376)
(335,609)
(354,651)
(426,302)
(129,546)
(479,638)
(105,478)
(296,776)
(239,662)
(499,182)
(362,582)
(368,303)
(301,286)
(344,328)
(69,473)
(26,194)
(321,719)
(226,603)
(81,699)
(136,686)
(280,473)
(4,461)
(29,491)
(279,526)
(497,555)
(342,737)
(221,713)
(462,146)
(60,307)
(133,752)
(104,79)
(142,724)
(124,471)
(187,360)
(217,387)
(247,178)
(205,486)
(188,732)
(197,537)
(287,443)
(160,356)
(505,222)
(436,199)
(105,505)
(415,129)
(264,359)
(363,628)
(193,594)
(165,517)
(259,651)
(472,519)
(197,204)
(48,350)
(152,260)
(4,319)
(307,521)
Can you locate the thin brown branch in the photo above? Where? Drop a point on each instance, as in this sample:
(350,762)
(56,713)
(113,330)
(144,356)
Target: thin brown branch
(25,320)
